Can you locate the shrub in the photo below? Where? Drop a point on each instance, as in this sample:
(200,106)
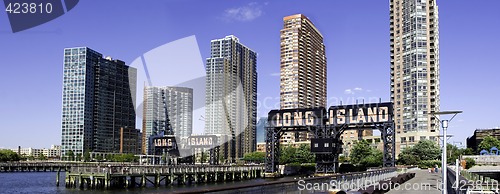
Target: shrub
(469,162)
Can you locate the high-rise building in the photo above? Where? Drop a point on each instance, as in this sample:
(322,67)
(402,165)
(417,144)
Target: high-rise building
(261,130)
(231,95)
(178,104)
(98,100)
(302,68)
(414,34)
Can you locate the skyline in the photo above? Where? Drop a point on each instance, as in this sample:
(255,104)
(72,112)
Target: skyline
(44,109)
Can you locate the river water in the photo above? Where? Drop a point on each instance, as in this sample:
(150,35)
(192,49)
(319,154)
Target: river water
(45,182)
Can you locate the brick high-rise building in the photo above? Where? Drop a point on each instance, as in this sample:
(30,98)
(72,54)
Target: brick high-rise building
(303,68)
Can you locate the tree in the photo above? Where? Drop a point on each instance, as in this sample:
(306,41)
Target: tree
(423,151)
(203,157)
(286,155)
(427,150)
(468,151)
(375,159)
(302,154)
(9,155)
(123,158)
(469,162)
(98,158)
(257,157)
(364,155)
(360,150)
(42,157)
(70,155)
(489,142)
(86,156)
(79,157)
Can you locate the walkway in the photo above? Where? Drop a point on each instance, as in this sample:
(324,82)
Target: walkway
(423,182)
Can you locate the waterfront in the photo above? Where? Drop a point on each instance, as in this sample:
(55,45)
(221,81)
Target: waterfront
(45,182)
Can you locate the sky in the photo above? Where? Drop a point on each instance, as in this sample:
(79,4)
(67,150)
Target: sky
(356,36)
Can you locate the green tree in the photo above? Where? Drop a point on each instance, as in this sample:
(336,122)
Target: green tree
(304,155)
(42,157)
(375,159)
(360,150)
(258,157)
(98,158)
(489,142)
(468,151)
(79,157)
(70,155)
(203,157)
(469,162)
(9,155)
(86,156)
(286,154)
(425,150)
(122,158)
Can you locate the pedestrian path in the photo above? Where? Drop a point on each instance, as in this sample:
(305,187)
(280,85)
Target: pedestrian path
(423,182)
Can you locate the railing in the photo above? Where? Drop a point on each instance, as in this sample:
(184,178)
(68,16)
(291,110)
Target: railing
(355,180)
(471,183)
(173,169)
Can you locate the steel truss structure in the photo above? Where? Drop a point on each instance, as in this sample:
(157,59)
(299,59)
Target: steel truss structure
(328,162)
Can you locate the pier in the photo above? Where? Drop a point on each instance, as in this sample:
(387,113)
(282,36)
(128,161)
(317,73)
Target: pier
(40,166)
(124,176)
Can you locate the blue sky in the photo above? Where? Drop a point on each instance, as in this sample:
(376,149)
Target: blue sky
(356,34)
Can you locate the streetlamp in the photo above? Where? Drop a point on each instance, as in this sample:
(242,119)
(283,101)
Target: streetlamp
(444,124)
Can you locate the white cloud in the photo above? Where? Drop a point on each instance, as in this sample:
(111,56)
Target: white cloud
(348,91)
(244,13)
(355,90)
(275,74)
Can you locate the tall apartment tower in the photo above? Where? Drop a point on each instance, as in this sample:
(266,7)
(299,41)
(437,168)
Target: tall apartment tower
(98,100)
(414,29)
(302,67)
(176,102)
(231,95)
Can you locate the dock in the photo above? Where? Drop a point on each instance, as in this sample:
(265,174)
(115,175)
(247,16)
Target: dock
(129,176)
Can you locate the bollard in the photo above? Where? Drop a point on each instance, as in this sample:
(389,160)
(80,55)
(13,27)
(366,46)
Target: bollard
(57,178)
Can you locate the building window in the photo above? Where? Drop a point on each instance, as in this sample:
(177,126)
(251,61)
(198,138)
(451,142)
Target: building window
(316,145)
(327,145)
(422,138)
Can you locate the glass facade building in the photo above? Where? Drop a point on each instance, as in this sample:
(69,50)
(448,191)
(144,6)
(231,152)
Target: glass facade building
(178,104)
(98,96)
(231,95)
(414,35)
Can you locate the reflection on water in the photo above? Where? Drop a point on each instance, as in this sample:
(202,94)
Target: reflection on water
(45,182)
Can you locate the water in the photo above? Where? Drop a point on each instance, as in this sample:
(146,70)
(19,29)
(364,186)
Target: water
(45,182)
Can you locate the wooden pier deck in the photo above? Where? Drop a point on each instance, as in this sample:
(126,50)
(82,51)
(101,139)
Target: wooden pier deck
(127,176)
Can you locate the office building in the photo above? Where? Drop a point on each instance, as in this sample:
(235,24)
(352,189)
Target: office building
(54,152)
(302,68)
(98,100)
(160,102)
(130,140)
(414,41)
(231,95)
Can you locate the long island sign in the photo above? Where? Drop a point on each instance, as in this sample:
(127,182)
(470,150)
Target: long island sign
(336,115)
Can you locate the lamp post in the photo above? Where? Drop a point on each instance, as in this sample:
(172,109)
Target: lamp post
(444,125)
